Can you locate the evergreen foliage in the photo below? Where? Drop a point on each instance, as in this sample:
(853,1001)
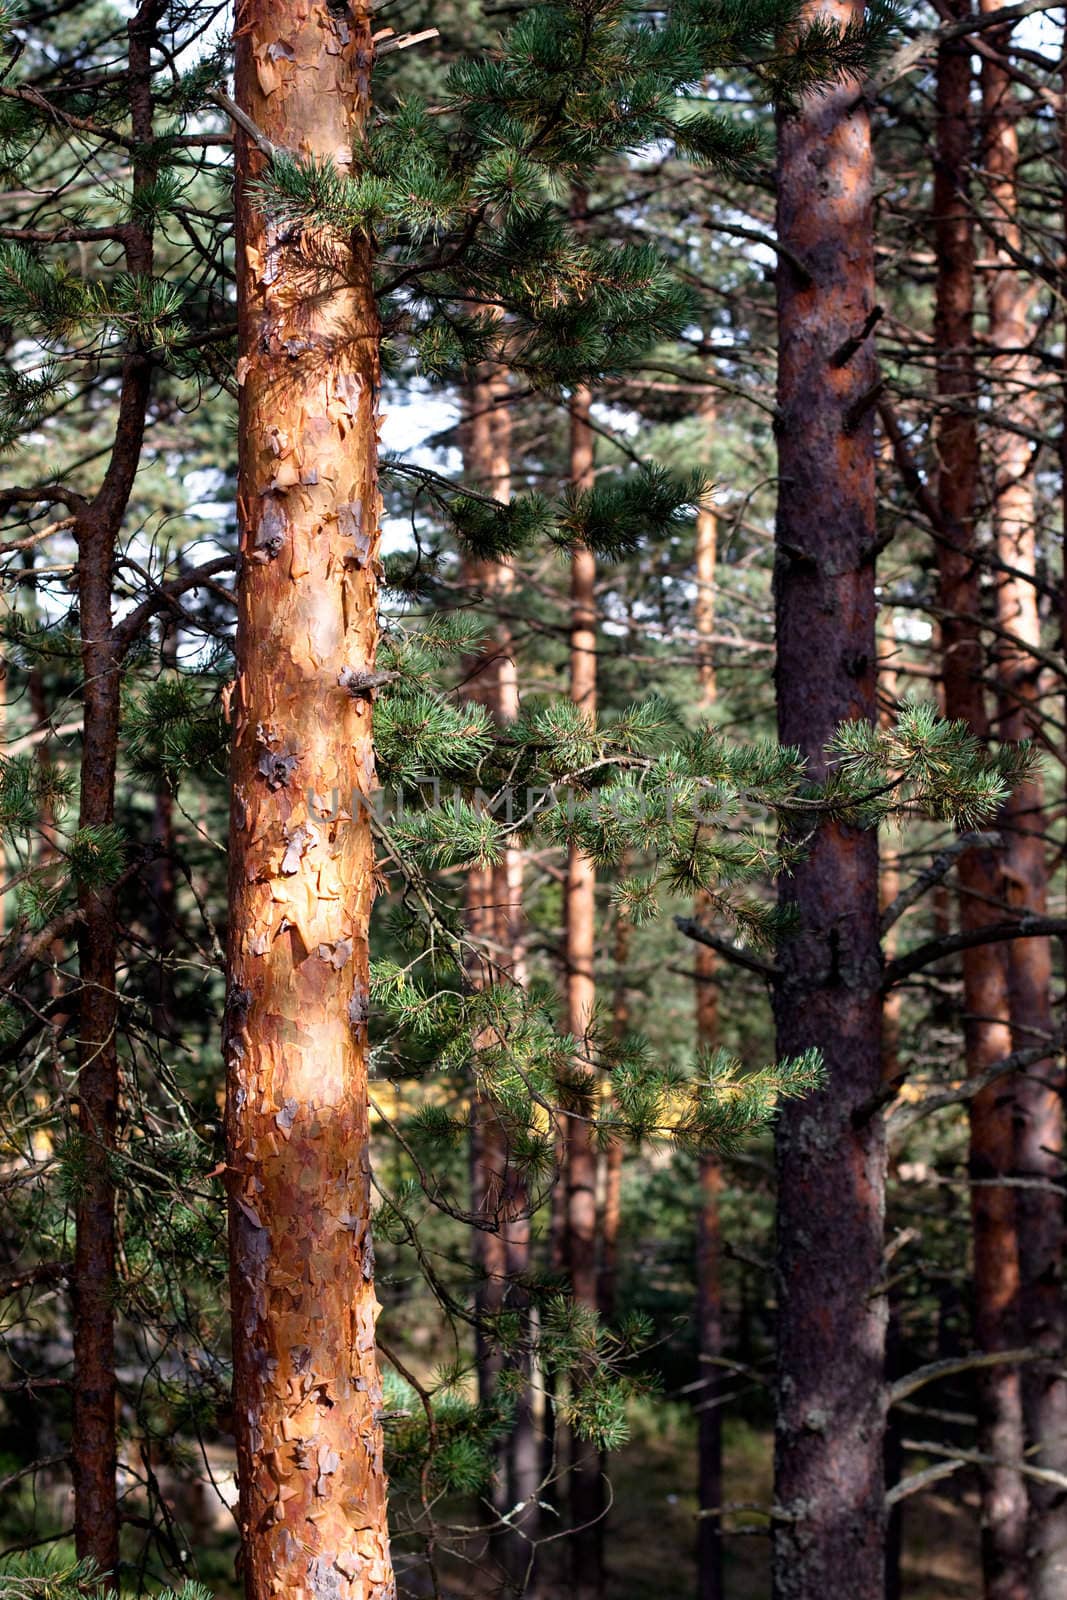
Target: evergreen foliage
(480,201)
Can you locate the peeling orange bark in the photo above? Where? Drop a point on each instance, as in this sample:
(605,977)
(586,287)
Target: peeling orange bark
(307,1390)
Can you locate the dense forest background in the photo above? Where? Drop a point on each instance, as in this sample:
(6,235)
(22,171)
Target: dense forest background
(714,1018)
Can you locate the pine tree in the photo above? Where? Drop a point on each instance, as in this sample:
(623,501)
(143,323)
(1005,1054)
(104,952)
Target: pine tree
(1038,1108)
(307,1389)
(493,923)
(830,1526)
(447,215)
(567,302)
(709,1222)
(580,1153)
(984,968)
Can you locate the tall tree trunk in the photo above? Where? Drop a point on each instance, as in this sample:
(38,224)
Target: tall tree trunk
(163,882)
(611,1202)
(889,888)
(986,1032)
(307,1389)
(889,875)
(96,527)
(829,1532)
(486,682)
(494,918)
(586,1485)
(1038,1093)
(709,1226)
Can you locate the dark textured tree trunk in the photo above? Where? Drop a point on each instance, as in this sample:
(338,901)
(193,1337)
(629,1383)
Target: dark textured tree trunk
(829,1531)
(307,1389)
(1038,1102)
(586,1481)
(93,1436)
(987,1035)
(93,1441)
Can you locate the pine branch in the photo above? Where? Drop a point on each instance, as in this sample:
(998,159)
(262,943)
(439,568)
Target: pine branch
(219,98)
(934,873)
(1030,927)
(899,1120)
(44,1272)
(731,952)
(40,1465)
(918,1481)
(912,1382)
(978,1458)
(911,54)
(13,546)
(131,626)
(59,927)
(45,494)
(68,235)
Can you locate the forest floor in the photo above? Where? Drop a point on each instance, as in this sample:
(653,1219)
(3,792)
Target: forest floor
(650,1534)
(654,1479)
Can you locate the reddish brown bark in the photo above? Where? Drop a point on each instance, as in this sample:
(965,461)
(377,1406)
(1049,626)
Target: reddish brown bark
(611,1201)
(709,1225)
(987,1035)
(494,917)
(163,888)
(488,682)
(1038,1103)
(889,879)
(93,1435)
(829,1532)
(307,1390)
(586,1481)
(48,845)
(889,887)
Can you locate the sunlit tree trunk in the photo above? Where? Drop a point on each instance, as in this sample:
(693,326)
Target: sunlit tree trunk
(986,1030)
(307,1390)
(830,1521)
(586,1491)
(1038,1104)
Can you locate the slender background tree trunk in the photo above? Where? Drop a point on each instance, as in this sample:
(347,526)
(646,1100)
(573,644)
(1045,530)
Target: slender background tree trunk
(494,917)
(586,1486)
(1038,1102)
(93,1436)
(889,887)
(986,1032)
(709,1227)
(307,1390)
